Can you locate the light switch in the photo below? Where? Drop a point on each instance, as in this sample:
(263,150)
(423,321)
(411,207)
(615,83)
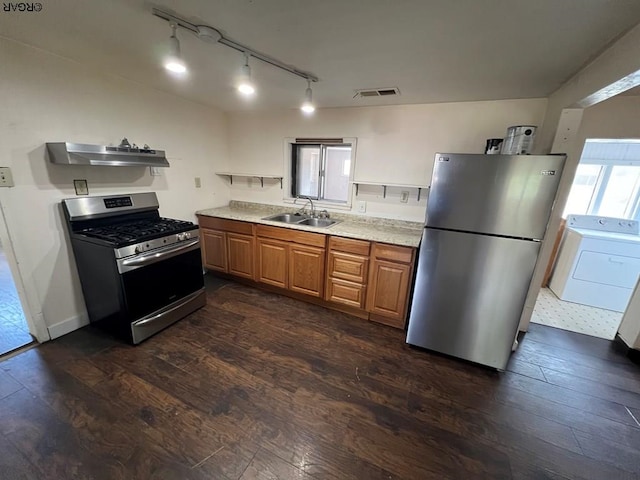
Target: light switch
(198,182)
(155,171)
(6,179)
(361,206)
(404,196)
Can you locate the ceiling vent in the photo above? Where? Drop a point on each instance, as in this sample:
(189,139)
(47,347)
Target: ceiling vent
(377,92)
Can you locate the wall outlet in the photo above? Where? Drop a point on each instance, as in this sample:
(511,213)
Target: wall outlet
(404,196)
(81,186)
(361,207)
(154,171)
(6,179)
(197,182)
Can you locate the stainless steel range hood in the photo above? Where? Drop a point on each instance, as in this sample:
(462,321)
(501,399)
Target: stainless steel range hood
(79,154)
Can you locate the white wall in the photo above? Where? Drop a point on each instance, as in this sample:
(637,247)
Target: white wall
(48,98)
(395,144)
(629,330)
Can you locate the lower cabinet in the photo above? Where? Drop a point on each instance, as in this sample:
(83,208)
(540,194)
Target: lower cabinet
(306,270)
(240,255)
(272,262)
(389,284)
(214,249)
(368,279)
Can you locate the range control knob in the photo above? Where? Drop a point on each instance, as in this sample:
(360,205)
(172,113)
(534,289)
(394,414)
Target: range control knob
(180,237)
(187,235)
(139,249)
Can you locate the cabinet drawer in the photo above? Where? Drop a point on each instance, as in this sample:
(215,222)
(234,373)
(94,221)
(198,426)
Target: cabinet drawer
(225,225)
(615,270)
(347,293)
(357,247)
(291,235)
(348,267)
(394,253)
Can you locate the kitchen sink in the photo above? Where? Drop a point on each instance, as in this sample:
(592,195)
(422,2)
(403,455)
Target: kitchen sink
(318,222)
(287,218)
(299,219)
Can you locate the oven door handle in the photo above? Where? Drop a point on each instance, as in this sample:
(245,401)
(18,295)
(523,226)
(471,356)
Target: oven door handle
(156,257)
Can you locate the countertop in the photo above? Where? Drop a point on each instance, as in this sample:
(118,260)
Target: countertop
(395,232)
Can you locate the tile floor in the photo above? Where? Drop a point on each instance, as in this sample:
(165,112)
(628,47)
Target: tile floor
(553,312)
(14,332)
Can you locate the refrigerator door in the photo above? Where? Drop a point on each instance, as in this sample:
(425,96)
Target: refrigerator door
(469,293)
(510,195)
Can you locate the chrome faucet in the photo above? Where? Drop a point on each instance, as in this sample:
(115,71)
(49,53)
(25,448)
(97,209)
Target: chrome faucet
(308,199)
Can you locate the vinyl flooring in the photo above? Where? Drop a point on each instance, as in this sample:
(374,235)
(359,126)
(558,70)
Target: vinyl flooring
(553,312)
(259,386)
(14,332)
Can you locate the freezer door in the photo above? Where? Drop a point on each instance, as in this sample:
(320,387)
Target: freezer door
(510,195)
(469,293)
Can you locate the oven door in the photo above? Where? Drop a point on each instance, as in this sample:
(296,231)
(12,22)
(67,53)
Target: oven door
(160,277)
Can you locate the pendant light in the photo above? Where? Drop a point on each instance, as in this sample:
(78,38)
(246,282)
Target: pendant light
(174,62)
(245,86)
(308,107)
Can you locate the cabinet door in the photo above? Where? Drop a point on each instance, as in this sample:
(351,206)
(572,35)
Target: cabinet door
(240,255)
(272,262)
(389,290)
(306,270)
(214,249)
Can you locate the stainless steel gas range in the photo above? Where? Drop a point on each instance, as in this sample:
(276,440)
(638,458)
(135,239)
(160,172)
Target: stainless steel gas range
(139,272)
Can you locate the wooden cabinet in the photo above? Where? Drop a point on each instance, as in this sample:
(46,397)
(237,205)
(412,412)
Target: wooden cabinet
(389,284)
(347,271)
(240,255)
(272,262)
(367,279)
(214,249)
(227,246)
(297,259)
(306,269)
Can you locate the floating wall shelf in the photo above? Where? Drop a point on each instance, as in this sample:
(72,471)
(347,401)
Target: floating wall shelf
(395,185)
(250,175)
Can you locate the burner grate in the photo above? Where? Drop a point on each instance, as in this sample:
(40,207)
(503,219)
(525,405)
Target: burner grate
(137,231)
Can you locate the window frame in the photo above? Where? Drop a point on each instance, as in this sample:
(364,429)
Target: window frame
(288,181)
(607,165)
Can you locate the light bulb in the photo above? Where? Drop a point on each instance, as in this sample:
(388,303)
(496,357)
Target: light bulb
(308,106)
(174,62)
(175,65)
(245,86)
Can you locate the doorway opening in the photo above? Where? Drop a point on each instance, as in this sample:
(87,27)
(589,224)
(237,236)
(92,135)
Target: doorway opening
(14,332)
(596,264)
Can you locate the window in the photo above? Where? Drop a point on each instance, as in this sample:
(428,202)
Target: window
(607,181)
(322,171)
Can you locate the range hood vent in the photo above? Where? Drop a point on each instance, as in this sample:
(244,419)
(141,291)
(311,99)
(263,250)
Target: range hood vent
(377,92)
(79,154)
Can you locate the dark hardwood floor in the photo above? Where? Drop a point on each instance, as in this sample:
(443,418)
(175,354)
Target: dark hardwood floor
(259,386)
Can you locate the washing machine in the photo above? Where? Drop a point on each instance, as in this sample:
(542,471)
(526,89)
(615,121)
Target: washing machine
(599,262)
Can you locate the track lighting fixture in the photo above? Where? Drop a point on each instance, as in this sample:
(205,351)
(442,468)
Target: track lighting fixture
(212,35)
(308,107)
(174,62)
(245,86)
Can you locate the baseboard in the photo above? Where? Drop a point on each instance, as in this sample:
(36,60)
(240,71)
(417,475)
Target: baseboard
(67,326)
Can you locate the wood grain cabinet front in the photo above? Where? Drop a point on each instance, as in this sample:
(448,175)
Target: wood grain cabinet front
(272,262)
(240,250)
(306,269)
(214,249)
(389,284)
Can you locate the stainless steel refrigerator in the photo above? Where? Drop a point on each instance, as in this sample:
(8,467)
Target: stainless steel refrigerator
(486,217)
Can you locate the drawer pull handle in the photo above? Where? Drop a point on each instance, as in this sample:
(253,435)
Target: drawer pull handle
(611,260)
